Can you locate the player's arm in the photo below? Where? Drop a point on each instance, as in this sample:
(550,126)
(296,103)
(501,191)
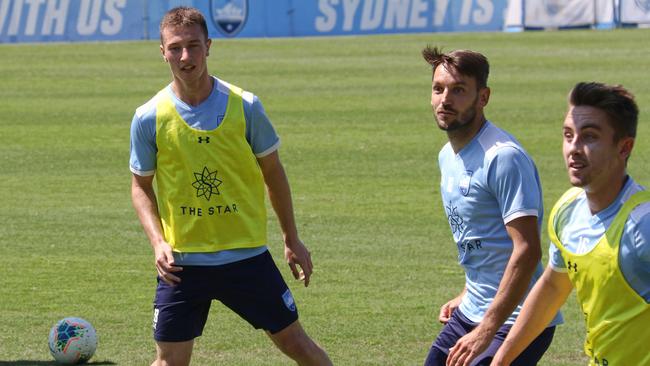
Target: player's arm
(279,192)
(526,254)
(144,202)
(542,304)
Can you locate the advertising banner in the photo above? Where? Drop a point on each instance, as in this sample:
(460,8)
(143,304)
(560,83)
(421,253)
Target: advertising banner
(635,11)
(560,13)
(70,20)
(100,20)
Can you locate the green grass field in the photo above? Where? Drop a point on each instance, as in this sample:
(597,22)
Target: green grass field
(360,149)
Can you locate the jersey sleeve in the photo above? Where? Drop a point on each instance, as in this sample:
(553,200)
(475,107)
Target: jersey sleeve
(555,260)
(636,239)
(513,179)
(260,133)
(639,232)
(143,150)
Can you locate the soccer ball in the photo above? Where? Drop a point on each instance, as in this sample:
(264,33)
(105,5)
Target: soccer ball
(72,341)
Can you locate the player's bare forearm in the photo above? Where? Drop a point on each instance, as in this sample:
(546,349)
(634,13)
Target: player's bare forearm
(277,185)
(542,304)
(144,202)
(279,192)
(525,256)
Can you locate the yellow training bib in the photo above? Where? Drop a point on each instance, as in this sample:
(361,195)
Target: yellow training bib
(210,187)
(616,317)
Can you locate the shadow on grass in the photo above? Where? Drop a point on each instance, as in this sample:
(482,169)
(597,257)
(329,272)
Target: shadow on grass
(48,363)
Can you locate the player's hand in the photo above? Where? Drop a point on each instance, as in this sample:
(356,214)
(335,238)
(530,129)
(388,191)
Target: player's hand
(447,309)
(165,263)
(468,347)
(297,255)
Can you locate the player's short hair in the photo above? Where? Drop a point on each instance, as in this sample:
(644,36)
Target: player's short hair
(465,62)
(183,16)
(616,101)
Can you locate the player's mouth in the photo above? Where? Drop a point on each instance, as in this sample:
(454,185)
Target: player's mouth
(445,113)
(577,165)
(187,68)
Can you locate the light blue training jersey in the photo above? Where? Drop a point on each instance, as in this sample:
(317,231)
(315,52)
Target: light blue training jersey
(208,115)
(487,184)
(582,230)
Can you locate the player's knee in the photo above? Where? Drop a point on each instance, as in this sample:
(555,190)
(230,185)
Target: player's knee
(298,346)
(173,354)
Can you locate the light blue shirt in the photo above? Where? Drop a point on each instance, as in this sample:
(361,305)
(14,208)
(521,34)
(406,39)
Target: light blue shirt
(487,184)
(260,134)
(582,231)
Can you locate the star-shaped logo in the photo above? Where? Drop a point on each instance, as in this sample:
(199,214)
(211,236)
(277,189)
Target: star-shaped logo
(455,220)
(206,183)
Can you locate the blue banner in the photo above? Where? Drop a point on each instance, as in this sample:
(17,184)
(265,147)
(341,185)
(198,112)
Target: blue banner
(101,20)
(70,20)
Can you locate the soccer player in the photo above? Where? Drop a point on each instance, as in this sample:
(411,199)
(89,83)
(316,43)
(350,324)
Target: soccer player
(212,150)
(600,236)
(493,200)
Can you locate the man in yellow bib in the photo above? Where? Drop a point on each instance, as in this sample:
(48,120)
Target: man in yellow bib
(212,150)
(600,234)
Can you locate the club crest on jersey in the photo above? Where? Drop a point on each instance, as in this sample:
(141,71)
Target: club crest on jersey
(229,16)
(465,181)
(643,5)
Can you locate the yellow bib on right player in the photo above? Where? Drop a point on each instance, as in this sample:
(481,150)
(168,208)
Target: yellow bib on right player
(616,316)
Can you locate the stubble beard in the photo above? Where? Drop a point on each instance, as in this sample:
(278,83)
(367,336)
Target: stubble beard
(463,119)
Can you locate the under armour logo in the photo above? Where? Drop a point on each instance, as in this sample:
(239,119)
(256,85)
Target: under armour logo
(206,139)
(572,266)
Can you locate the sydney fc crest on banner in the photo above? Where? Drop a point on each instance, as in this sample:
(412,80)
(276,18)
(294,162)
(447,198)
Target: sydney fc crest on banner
(229,16)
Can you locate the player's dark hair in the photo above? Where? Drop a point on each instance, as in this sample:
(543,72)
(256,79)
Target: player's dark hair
(465,62)
(616,101)
(183,16)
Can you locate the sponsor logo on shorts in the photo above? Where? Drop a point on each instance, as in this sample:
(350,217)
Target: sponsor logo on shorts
(288,300)
(155,318)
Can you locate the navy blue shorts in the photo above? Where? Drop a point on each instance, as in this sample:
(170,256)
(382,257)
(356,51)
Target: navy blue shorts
(458,325)
(253,288)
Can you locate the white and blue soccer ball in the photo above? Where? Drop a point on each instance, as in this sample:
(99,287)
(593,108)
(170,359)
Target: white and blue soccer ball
(72,341)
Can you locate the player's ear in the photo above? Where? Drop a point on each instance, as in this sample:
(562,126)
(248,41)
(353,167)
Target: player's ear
(484,96)
(625,146)
(208,43)
(162,52)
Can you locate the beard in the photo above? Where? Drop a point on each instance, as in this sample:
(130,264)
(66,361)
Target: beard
(463,118)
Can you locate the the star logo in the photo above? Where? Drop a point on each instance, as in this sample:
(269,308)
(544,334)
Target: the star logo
(455,220)
(206,183)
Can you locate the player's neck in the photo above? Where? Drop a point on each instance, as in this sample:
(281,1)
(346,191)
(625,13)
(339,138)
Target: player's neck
(193,92)
(603,195)
(459,138)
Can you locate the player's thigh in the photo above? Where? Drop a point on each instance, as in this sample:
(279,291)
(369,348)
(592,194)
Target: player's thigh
(256,291)
(181,310)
